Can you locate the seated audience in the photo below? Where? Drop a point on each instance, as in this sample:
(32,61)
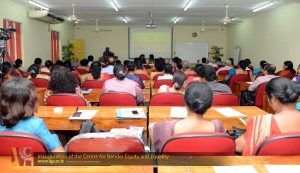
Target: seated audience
(110,66)
(168,72)
(35,73)
(198,98)
(142,57)
(177,64)
(121,84)
(227,66)
(179,79)
(139,67)
(186,67)
(151,59)
(211,63)
(18,68)
(218,61)
(18,102)
(6,71)
(59,62)
(258,71)
(297,78)
(241,70)
(159,66)
(95,73)
(75,62)
(63,81)
(203,60)
(130,74)
(249,66)
(68,65)
(282,94)
(47,68)
(207,74)
(268,74)
(288,70)
(84,64)
(37,61)
(90,58)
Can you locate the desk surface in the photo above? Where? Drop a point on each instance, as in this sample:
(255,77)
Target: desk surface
(159,113)
(105,118)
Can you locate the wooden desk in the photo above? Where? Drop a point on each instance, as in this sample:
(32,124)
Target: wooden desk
(6,166)
(105,118)
(96,93)
(160,113)
(257,162)
(40,95)
(238,87)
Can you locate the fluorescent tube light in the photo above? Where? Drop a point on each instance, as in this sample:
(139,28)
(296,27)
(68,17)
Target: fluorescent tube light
(114,5)
(187,6)
(124,19)
(262,7)
(38,5)
(176,20)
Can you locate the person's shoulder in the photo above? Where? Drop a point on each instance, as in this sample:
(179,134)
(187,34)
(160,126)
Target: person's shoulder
(33,121)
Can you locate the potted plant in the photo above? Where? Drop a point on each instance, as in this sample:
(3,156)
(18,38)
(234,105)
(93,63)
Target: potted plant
(67,52)
(215,52)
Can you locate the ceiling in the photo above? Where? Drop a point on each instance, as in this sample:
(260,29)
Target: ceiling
(164,11)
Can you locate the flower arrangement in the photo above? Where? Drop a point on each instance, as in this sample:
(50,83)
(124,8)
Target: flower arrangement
(216,52)
(67,52)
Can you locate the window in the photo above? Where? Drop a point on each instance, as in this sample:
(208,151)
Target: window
(54,46)
(14,46)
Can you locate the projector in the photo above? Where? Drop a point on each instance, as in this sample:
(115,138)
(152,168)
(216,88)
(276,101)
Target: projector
(151,26)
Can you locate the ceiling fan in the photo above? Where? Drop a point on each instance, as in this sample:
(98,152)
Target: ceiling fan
(227,19)
(98,29)
(73,17)
(204,29)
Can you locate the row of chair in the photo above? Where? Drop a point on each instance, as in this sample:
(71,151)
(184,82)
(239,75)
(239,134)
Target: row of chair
(191,144)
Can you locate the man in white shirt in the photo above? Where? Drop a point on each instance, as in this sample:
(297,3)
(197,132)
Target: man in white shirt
(227,66)
(168,69)
(110,68)
(268,71)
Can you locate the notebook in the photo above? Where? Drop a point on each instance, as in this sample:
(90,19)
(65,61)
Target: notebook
(229,112)
(178,112)
(83,115)
(130,113)
(283,168)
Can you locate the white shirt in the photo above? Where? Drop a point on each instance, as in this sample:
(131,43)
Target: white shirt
(223,68)
(259,81)
(165,76)
(109,69)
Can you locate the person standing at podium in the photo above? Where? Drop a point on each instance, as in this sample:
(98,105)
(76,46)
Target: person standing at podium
(107,52)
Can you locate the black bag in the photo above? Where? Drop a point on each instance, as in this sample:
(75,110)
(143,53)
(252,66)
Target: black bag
(236,132)
(248,98)
(89,127)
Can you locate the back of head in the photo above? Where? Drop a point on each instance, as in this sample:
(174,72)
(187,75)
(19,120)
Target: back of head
(18,63)
(59,62)
(270,69)
(111,61)
(186,64)
(198,97)
(198,69)
(84,62)
(48,64)
(38,61)
(203,60)
(119,72)
(126,63)
(262,64)
(159,64)
(131,66)
(139,63)
(232,61)
(178,80)
(68,64)
(34,70)
(178,62)
(151,56)
(90,58)
(290,66)
(209,73)
(4,68)
(248,61)
(168,68)
(228,62)
(283,89)
(118,62)
(62,80)
(18,100)
(243,64)
(96,69)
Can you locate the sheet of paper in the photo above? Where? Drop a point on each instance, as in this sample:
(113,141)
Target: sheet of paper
(283,168)
(249,83)
(235,169)
(86,91)
(85,115)
(178,112)
(123,113)
(229,112)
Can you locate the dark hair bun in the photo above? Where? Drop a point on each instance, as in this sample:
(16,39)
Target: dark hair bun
(199,106)
(290,95)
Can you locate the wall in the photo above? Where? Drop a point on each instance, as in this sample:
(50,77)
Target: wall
(36,36)
(215,37)
(95,42)
(117,39)
(273,36)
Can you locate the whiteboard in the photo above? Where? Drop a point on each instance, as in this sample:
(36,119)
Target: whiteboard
(191,51)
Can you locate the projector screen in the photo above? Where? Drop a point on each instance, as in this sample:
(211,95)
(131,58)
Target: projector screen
(156,41)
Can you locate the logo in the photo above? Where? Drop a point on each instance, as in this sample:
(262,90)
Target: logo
(22,156)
